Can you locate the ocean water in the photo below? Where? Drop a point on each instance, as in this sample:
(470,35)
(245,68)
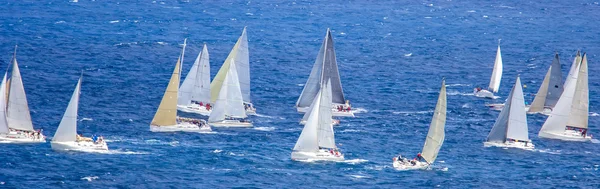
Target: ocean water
(391,54)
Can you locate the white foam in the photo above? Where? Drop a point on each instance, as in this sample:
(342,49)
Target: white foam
(114,21)
(60,22)
(549,151)
(454,93)
(414,112)
(216,151)
(355,161)
(358,176)
(457,85)
(261,115)
(264,128)
(471,11)
(595,141)
(466,106)
(360,110)
(301,85)
(351,131)
(90,178)
(86,119)
(408,55)
(594,114)
(161,43)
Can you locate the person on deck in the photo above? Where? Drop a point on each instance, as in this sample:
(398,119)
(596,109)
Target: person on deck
(419,157)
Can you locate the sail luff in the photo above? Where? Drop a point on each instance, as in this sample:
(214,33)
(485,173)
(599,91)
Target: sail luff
(67,129)
(18,114)
(325,133)
(436,133)
(580,106)
(3,121)
(557,121)
(166,115)
(540,98)
(497,72)
(517,119)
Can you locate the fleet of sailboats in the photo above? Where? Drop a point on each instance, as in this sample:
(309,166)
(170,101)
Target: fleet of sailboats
(494,79)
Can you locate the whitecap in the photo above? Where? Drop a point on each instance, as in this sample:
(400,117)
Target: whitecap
(471,11)
(87,119)
(355,161)
(301,84)
(485,16)
(408,55)
(428,17)
(216,151)
(359,110)
(161,43)
(549,151)
(114,21)
(594,114)
(595,141)
(90,178)
(60,22)
(249,14)
(264,128)
(457,85)
(357,176)
(351,131)
(413,112)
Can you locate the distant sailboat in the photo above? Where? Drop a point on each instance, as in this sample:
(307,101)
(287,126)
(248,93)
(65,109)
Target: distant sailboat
(240,55)
(494,80)
(569,118)
(435,137)
(17,116)
(317,140)
(66,137)
(549,91)
(510,129)
(325,59)
(165,119)
(194,94)
(229,107)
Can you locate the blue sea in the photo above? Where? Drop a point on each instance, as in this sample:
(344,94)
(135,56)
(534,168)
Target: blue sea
(392,56)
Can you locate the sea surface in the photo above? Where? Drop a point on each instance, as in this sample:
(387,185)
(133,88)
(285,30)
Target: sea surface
(392,56)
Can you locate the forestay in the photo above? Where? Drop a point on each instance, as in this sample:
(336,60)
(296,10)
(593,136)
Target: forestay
(67,129)
(18,115)
(436,134)
(196,85)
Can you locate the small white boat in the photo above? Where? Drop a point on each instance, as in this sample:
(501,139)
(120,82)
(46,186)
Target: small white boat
(317,140)
(494,80)
(550,90)
(15,119)
(240,56)
(569,118)
(325,67)
(510,129)
(229,110)
(66,137)
(194,93)
(433,142)
(165,119)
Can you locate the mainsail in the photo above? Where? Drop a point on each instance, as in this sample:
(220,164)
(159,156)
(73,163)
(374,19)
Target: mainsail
(497,72)
(436,134)
(551,88)
(326,60)
(229,103)
(512,121)
(67,129)
(196,85)
(3,122)
(240,55)
(166,115)
(17,114)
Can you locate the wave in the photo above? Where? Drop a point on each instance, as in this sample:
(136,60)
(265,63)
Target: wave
(216,151)
(264,128)
(90,178)
(355,161)
(114,21)
(414,112)
(408,55)
(360,110)
(358,176)
(86,119)
(594,114)
(595,141)
(457,85)
(60,22)
(548,151)
(454,93)
(351,131)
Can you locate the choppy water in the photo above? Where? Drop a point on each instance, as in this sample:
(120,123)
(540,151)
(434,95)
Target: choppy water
(391,55)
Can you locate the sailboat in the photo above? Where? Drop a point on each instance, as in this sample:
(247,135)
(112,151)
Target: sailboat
(229,108)
(549,91)
(239,54)
(325,59)
(66,137)
(569,118)
(19,128)
(434,140)
(510,129)
(494,80)
(165,119)
(194,93)
(317,140)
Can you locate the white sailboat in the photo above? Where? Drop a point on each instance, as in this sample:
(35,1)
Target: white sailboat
(569,118)
(17,117)
(66,137)
(325,59)
(549,91)
(229,108)
(165,119)
(194,94)
(510,129)
(433,142)
(317,140)
(240,55)
(494,80)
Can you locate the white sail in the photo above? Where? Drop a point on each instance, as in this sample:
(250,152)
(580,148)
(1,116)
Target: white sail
(229,102)
(325,133)
(239,54)
(3,121)
(496,73)
(580,106)
(313,84)
(540,98)
(308,141)
(196,85)
(557,121)
(517,118)
(18,115)
(67,129)
(576,61)
(436,134)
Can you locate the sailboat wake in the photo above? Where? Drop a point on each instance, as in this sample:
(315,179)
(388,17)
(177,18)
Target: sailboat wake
(360,110)
(355,161)
(264,128)
(549,151)
(595,141)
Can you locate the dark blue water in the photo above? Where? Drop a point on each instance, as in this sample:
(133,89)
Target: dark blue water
(127,50)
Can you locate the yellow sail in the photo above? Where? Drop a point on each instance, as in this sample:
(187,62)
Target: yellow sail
(166,114)
(217,82)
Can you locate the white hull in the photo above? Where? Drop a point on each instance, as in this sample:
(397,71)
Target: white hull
(250,110)
(483,94)
(81,146)
(194,108)
(546,111)
(511,144)
(183,127)
(321,155)
(14,137)
(334,112)
(568,135)
(407,165)
(231,123)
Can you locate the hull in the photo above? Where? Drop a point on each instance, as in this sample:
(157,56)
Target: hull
(250,110)
(14,137)
(231,123)
(568,135)
(407,165)
(81,146)
(511,144)
(180,127)
(194,108)
(321,155)
(483,94)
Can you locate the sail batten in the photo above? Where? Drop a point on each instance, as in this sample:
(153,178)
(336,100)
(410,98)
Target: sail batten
(18,114)
(436,133)
(67,129)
